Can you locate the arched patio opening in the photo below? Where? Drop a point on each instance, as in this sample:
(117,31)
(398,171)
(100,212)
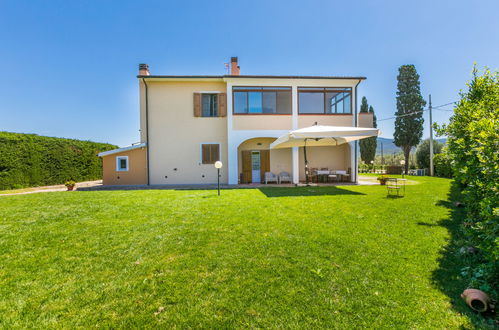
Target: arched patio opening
(255,158)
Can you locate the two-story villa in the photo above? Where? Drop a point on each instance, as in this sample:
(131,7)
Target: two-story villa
(189,122)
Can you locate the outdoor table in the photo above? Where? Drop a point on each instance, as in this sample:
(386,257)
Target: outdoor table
(323,174)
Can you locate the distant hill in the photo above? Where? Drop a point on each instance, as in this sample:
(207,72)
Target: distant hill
(389,147)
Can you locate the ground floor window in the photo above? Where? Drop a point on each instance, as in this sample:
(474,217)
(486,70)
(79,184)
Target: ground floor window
(210,153)
(122,163)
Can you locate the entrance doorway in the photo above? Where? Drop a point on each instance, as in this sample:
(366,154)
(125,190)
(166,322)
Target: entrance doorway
(255,167)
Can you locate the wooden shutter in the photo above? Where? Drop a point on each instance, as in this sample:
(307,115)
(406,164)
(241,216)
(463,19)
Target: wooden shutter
(205,153)
(264,163)
(210,153)
(246,157)
(222,105)
(197,104)
(215,153)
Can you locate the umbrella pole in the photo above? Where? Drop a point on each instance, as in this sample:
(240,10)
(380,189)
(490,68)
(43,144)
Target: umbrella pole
(306,161)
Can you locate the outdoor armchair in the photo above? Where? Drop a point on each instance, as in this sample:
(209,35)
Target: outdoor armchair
(284,176)
(271,177)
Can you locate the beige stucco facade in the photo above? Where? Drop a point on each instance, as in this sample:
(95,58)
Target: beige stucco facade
(174,135)
(262,122)
(137,168)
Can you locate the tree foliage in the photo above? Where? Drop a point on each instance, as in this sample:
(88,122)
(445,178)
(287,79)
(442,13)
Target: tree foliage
(473,147)
(423,152)
(410,104)
(368,146)
(442,164)
(28,160)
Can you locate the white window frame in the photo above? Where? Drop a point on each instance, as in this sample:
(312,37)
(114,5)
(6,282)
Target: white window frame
(201,152)
(118,169)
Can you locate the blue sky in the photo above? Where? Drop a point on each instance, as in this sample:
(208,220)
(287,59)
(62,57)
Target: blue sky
(69,67)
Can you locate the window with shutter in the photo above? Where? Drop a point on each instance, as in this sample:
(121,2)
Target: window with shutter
(209,105)
(210,153)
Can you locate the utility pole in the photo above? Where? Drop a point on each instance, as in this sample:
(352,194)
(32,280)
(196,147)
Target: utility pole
(431,141)
(382,160)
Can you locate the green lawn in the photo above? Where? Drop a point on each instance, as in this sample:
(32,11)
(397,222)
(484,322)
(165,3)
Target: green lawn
(342,257)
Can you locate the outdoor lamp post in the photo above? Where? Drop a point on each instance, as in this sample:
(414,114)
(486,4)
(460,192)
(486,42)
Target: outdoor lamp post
(218,166)
(372,163)
(402,162)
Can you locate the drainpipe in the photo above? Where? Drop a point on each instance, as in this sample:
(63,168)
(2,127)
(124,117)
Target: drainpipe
(147,129)
(356,120)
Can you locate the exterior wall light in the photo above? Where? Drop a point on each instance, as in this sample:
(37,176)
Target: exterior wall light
(218,166)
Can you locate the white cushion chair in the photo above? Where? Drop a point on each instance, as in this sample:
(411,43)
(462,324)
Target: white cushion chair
(284,176)
(271,177)
(342,175)
(332,176)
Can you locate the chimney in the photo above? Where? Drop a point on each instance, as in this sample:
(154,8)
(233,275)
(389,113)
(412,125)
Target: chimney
(234,68)
(144,70)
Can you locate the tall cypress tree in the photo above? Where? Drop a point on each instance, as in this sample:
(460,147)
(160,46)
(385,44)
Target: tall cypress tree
(368,146)
(410,104)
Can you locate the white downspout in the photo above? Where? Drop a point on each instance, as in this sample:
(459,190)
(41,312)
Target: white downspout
(295,150)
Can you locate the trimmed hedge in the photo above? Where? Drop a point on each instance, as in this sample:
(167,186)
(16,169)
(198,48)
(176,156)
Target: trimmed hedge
(28,160)
(473,149)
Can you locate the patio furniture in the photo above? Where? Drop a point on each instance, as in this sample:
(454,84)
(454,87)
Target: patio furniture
(313,174)
(395,185)
(271,177)
(319,135)
(322,175)
(284,176)
(342,175)
(332,177)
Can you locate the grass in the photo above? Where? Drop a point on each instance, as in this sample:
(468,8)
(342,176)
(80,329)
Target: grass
(338,257)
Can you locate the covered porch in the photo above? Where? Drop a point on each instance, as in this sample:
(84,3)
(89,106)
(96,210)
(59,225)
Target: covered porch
(256,160)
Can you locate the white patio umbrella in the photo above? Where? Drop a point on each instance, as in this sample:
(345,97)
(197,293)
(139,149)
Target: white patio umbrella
(318,135)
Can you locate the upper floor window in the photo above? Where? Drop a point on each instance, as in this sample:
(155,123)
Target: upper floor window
(262,100)
(320,100)
(209,105)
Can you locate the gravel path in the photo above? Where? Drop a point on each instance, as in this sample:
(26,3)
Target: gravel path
(60,187)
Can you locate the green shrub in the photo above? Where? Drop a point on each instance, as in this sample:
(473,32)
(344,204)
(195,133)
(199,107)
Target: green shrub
(423,152)
(394,169)
(28,160)
(442,165)
(473,148)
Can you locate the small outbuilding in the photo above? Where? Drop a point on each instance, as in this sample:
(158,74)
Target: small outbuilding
(125,166)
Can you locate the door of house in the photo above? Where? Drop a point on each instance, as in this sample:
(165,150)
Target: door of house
(255,167)
(246,159)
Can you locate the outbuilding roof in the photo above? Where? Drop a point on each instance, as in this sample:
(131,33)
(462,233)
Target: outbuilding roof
(116,151)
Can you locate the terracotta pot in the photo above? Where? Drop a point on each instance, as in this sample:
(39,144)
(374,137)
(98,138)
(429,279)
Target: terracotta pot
(70,188)
(476,299)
